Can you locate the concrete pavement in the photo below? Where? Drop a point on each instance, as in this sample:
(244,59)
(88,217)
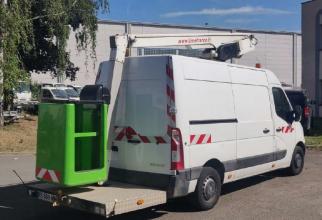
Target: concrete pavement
(269,196)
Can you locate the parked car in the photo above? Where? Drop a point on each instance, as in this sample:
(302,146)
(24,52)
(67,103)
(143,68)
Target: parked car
(49,94)
(298,97)
(78,89)
(53,85)
(73,95)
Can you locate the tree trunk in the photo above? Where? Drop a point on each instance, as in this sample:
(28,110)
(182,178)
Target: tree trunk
(1,82)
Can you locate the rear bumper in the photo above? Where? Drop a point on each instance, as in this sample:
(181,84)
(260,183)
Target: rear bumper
(176,185)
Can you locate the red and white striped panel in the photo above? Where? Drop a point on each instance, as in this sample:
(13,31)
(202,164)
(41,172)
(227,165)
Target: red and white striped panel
(128,133)
(287,129)
(48,175)
(170,98)
(200,139)
(119,133)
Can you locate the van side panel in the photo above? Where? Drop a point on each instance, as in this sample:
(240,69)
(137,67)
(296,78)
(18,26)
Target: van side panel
(244,75)
(205,110)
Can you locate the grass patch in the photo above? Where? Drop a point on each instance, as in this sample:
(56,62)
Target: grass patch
(314,139)
(19,136)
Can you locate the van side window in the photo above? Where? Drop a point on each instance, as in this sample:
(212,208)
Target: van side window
(282,107)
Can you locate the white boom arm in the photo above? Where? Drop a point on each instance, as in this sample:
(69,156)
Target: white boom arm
(242,43)
(120,43)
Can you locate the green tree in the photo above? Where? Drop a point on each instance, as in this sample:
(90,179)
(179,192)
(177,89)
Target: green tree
(34,34)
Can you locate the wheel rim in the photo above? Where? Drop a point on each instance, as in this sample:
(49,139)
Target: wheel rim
(298,160)
(209,188)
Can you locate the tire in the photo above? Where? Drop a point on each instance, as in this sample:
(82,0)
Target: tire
(208,189)
(297,162)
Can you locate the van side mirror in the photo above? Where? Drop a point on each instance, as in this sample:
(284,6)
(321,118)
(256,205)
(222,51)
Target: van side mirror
(298,113)
(295,115)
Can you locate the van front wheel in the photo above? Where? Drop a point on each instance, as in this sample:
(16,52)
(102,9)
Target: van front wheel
(208,189)
(297,162)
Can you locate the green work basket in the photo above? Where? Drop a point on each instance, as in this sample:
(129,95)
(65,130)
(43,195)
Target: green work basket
(72,143)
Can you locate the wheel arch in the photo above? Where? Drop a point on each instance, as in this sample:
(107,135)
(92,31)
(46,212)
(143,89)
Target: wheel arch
(302,145)
(217,165)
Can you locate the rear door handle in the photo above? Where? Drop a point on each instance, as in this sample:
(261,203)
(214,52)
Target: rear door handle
(265,131)
(278,129)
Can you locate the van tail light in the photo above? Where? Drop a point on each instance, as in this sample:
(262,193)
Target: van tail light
(306,111)
(177,158)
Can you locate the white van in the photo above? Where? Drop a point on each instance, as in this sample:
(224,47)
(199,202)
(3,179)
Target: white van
(189,125)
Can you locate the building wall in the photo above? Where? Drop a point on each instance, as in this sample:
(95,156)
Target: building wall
(274,51)
(311,72)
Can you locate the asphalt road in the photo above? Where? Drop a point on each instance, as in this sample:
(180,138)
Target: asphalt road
(269,196)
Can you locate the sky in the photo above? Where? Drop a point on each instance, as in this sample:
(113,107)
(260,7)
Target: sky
(277,15)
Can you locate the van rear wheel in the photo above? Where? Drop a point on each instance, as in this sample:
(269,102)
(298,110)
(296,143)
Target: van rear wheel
(297,162)
(208,189)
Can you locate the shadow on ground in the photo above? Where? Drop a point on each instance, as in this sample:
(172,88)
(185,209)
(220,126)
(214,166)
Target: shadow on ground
(15,204)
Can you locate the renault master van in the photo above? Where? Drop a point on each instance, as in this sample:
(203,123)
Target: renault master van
(189,125)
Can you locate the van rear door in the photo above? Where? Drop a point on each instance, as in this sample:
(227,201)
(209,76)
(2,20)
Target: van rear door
(140,136)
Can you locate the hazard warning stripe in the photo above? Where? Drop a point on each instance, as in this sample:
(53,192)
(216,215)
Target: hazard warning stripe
(170,98)
(169,72)
(160,140)
(170,93)
(287,129)
(128,133)
(48,175)
(120,133)
(200,139)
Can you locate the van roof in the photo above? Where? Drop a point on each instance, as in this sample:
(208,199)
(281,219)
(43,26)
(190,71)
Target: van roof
(271,77)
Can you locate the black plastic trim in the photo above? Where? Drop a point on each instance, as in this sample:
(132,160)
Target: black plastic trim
(213,121)
(178,185)
(246,162)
